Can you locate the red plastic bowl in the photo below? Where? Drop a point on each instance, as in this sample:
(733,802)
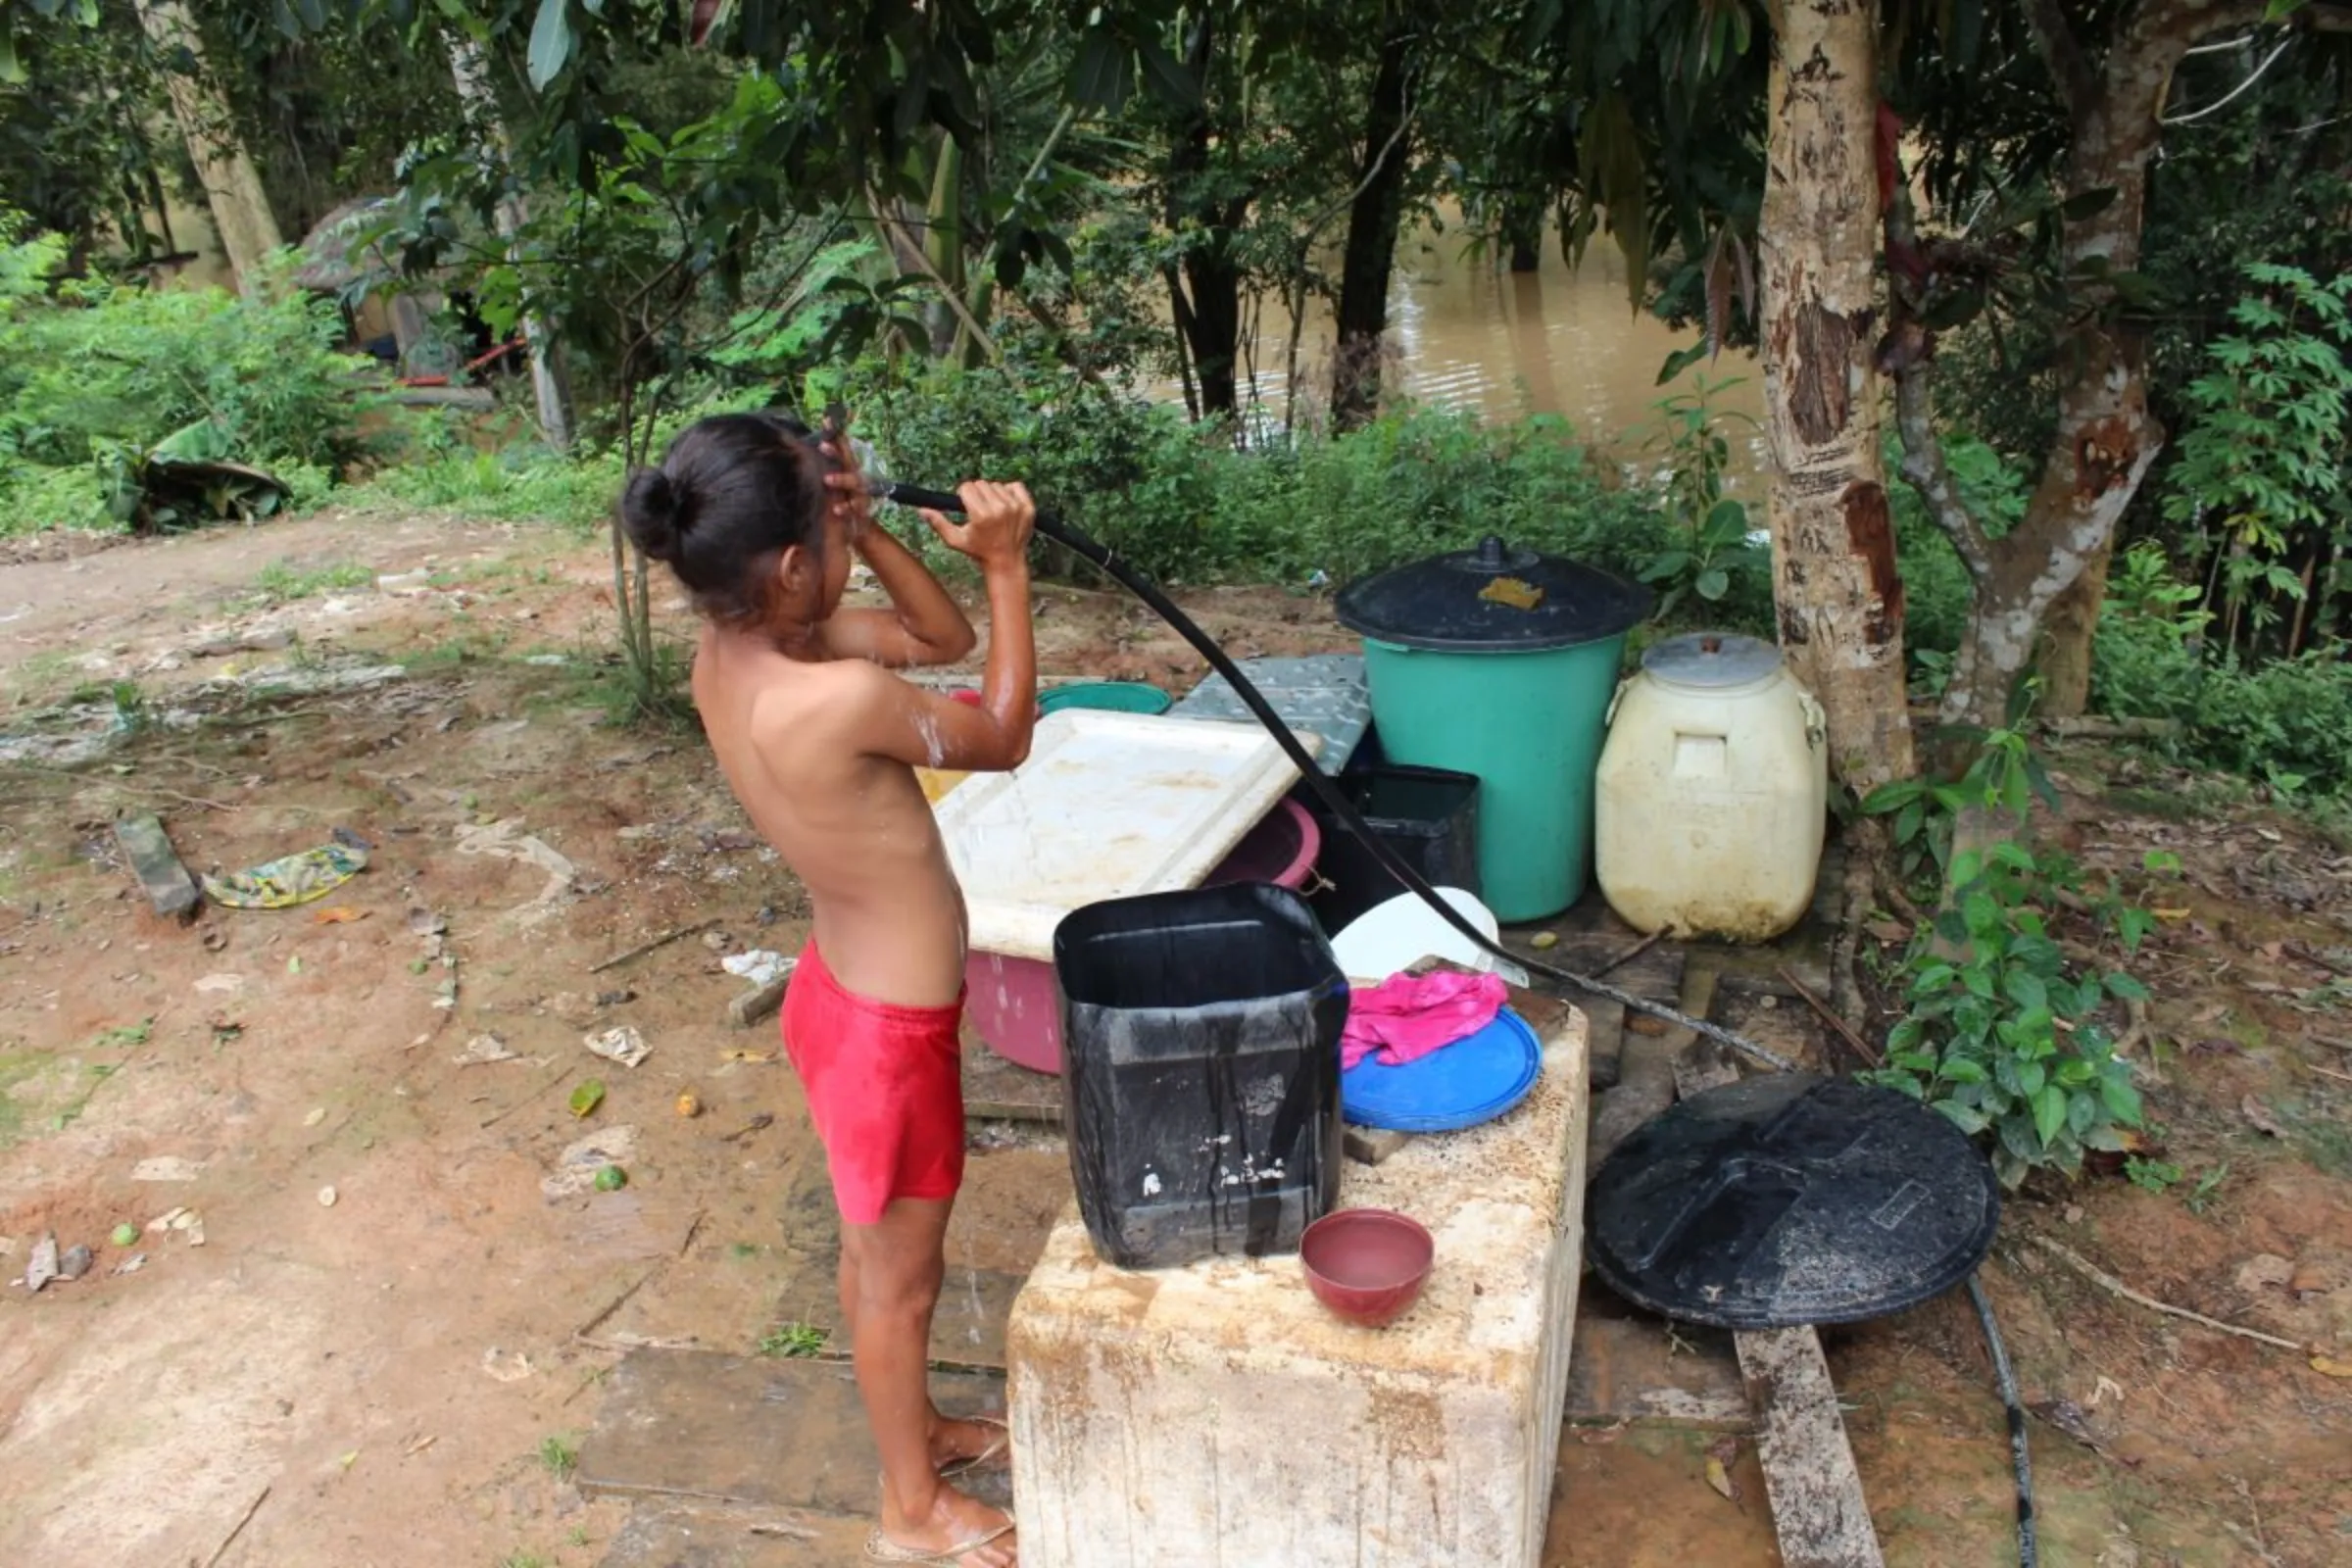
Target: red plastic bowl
(1368,1265)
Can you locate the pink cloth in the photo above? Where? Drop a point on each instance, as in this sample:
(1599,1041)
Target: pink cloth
(1407,1017)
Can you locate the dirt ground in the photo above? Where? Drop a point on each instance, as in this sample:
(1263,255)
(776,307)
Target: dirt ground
(379,1338)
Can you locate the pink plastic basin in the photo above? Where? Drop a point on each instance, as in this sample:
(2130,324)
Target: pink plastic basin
(1014,1005)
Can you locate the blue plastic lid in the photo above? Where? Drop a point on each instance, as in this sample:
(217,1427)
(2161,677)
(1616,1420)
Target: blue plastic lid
(1468,1082)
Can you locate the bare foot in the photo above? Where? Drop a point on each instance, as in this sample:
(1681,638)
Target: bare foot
(984,1440)
(956,1520)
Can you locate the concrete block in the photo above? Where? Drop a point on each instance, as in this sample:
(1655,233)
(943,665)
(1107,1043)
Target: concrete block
(1216,1416)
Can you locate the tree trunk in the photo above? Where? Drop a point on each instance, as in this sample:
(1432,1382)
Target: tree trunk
(1373,219)
(551,388)
(231,186)
(1523,233)
(1213,327)
(1834,581)
(2067,639)
(2047,578)
(1208,307)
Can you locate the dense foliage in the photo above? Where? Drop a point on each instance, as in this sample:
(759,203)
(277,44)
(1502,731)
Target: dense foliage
(95,377)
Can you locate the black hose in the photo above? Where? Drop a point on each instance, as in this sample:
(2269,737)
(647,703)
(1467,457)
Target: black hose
(1332,798)
(2028,1553)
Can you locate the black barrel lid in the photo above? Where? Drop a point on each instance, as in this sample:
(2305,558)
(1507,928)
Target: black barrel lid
(1790,1200)
(1492,599)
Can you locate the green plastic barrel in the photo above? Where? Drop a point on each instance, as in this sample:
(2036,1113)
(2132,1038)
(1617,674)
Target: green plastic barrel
(1112,696)
(1502,662)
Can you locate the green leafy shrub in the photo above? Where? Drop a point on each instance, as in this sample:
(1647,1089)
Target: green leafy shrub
(2002,1031)
(96,376)
(2263,460)
(2286,723)
(1185,506)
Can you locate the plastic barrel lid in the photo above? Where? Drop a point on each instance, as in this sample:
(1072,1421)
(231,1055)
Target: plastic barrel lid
(1790,1200)
(1471,1081)
(1492,599)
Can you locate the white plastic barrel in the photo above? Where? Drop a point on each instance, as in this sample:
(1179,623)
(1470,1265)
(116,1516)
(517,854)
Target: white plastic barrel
(1712,794)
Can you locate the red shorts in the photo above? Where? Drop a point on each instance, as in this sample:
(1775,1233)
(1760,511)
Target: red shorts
(885,1088)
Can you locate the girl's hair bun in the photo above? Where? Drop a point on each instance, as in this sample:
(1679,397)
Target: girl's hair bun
(651,510)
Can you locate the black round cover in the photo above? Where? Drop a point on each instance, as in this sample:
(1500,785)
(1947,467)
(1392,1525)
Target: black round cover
(1438,603)
(1790,1200)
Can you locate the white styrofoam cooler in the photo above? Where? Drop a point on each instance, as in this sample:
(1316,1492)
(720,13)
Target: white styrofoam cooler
(1109,806)
(1216,1416)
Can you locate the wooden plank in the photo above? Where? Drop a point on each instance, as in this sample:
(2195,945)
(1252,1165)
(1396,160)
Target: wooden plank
(689,1535)
(1646,1074)
(997,1089)
(1605,1023)
(1638,1371)
(153,861)
(1373,1145)
(752,1433)
(758,1003)
(1818,1510)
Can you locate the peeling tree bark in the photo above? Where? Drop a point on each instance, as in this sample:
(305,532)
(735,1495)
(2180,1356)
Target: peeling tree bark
(2039,587)
(1834,581)
(232,188)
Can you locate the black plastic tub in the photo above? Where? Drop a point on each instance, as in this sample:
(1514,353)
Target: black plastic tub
(1427,816)
(1200,1072)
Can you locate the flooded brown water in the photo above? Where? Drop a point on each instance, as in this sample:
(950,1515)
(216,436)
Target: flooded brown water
(1466,333)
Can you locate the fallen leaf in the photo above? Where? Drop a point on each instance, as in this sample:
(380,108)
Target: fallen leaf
(483,1049)
(587,1097)
(2068,1417)
(2329,1366)
(1891,932)
(2263,1270)
(1720,1479)
(2260,1116)
(622,1045)
(340,915)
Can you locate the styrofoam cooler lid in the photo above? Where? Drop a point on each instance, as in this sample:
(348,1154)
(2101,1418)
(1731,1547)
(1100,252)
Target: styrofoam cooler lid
(1474,1080)
(1710,661)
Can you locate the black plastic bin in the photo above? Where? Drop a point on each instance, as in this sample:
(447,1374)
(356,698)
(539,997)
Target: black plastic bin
(1200,1072)
(1427,816)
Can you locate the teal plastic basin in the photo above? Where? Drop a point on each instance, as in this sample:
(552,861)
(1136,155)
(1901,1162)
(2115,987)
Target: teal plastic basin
(1112,696)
